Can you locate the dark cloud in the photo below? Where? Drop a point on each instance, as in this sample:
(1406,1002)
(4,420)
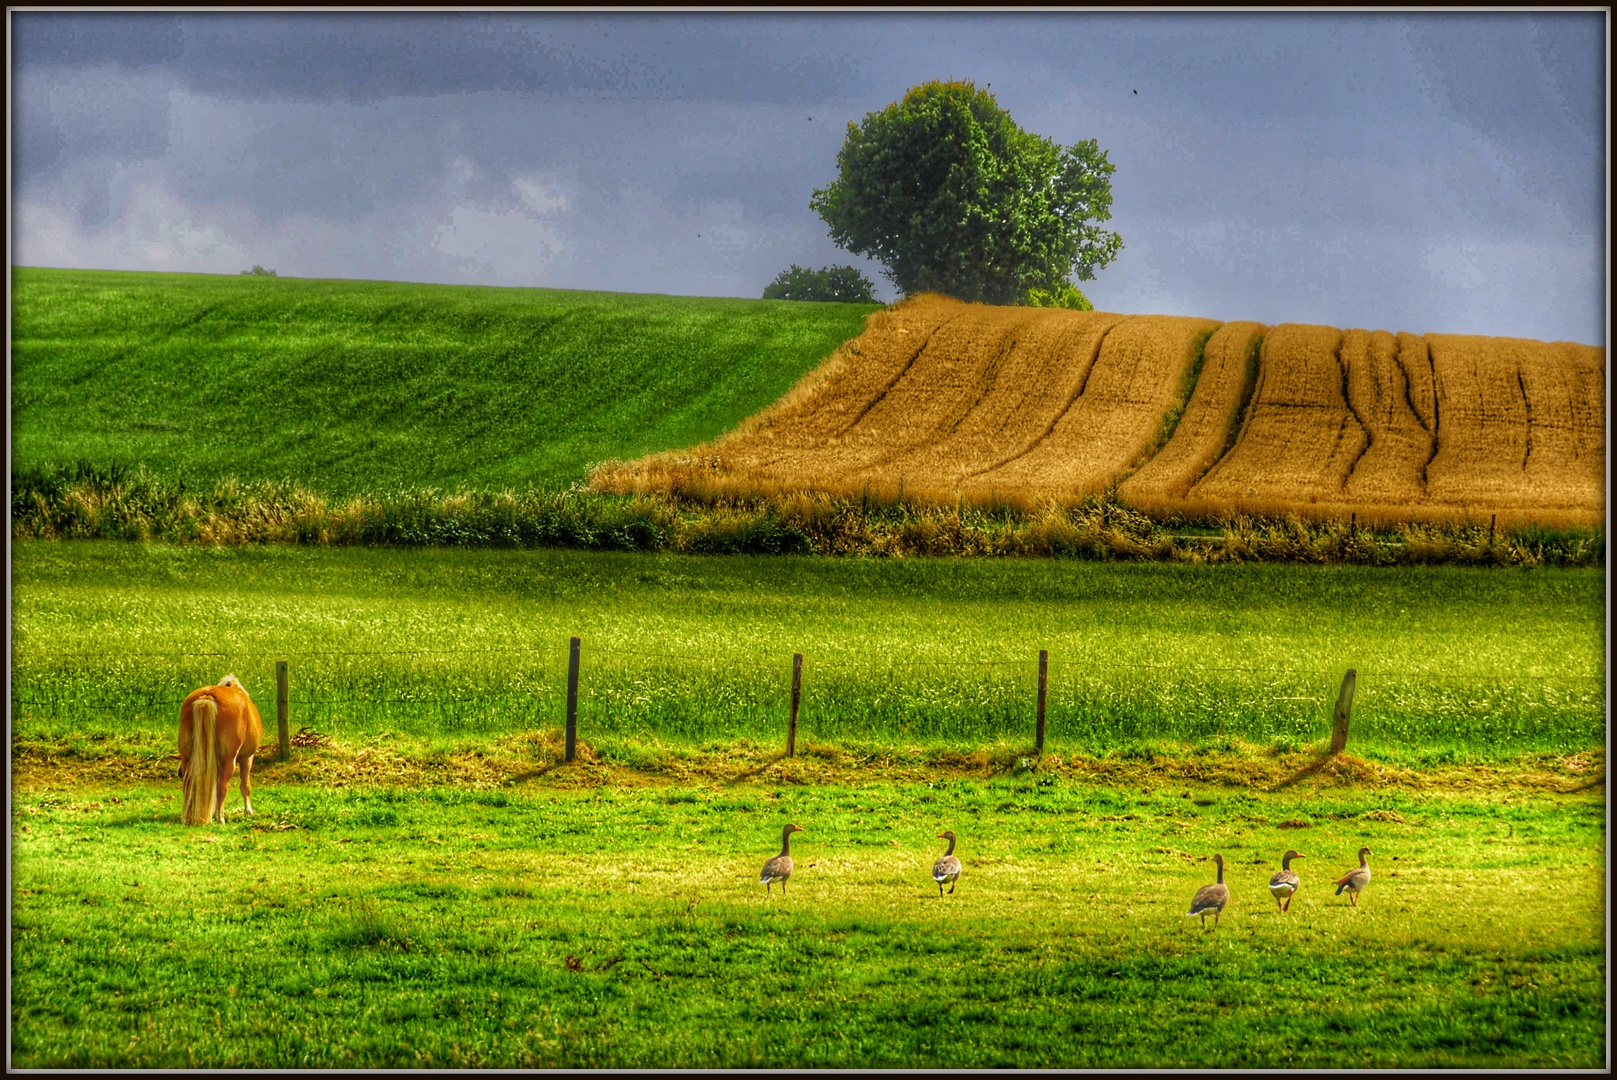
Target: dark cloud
(360,57)
(1532,87)
(1444,170)
(129,40)
(100,113)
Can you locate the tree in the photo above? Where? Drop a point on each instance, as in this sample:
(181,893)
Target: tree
(951,196)
(843,284)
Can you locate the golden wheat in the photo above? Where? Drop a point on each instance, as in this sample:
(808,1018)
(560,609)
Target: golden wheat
(1025,384)
(940,401)
(1415,361)
(1203,431)
(1482,415)
(1119,408)
(1564,385)
(1392,469)
(1300,439)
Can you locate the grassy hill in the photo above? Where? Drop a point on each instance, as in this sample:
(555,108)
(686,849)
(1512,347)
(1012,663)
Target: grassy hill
(353,387)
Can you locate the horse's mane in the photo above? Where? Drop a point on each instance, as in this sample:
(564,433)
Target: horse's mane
(230,680)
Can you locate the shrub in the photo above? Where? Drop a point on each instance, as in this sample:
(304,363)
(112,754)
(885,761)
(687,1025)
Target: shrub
(1062,296)
(839,284)
(257,271)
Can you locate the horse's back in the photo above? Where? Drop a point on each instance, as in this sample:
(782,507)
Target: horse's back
(248,724)
(240,727)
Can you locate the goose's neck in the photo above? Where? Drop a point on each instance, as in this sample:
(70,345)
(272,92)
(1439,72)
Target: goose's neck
(1221,873)
(946,854)
(1364,860)
(1285,862)
(786,843)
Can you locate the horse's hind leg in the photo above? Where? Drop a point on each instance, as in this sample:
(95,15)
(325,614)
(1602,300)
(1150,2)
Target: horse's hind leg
(247,783)
(227,765)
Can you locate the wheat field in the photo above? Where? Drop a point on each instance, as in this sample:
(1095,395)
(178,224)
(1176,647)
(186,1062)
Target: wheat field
(945,401)
(1205,430)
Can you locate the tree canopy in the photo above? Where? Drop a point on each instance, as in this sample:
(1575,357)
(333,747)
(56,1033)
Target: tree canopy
(951,196)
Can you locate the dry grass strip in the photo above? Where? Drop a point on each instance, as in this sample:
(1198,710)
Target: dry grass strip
(1301,440)
(534,762)
(1212,411)
(1393,467)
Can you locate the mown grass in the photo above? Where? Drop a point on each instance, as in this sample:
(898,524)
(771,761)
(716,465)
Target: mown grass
(350,387)
(1452,664)
(534,926)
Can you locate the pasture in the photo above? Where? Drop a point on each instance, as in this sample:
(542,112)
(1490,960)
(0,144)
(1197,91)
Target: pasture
(621,925)
(432,887)
(1453,664)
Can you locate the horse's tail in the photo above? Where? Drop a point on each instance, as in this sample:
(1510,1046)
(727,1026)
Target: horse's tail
(202,774)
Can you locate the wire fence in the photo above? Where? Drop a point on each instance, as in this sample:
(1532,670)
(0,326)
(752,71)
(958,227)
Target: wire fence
(771,663)
(654,692)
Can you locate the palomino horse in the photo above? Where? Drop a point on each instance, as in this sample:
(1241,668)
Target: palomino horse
(219,727)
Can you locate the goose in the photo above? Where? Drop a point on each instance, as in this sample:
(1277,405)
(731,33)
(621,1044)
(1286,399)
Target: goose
(947,869)
(1354,881)
(1210,899)
(1285,881)
(780,867)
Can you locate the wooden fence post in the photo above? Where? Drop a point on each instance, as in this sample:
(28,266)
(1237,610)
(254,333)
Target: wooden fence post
(1492,521)
(282,708)
(572,698)
(797,693)
(1344,708)
(1044,672)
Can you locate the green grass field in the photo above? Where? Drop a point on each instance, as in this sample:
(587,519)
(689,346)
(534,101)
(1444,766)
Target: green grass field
(350,387)
(624,927)
(1453,664)
(434,888)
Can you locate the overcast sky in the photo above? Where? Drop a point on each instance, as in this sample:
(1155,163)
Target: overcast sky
(1434,173)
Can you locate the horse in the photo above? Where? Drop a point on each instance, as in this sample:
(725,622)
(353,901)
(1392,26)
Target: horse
(219,728)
